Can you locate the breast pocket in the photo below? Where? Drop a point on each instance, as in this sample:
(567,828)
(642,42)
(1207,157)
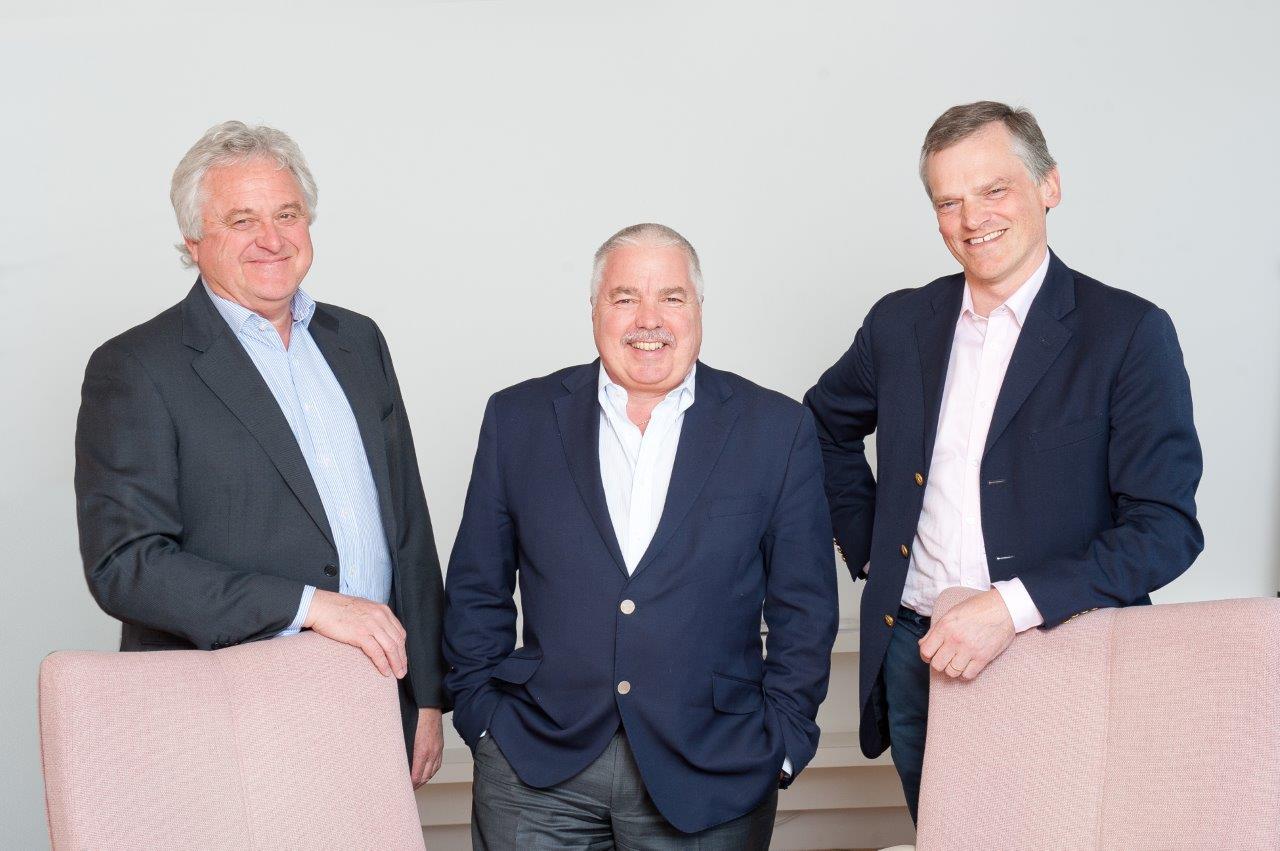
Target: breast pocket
(1065,435)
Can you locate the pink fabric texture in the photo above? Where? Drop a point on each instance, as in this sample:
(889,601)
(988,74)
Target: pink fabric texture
(1146,727)
(289,743)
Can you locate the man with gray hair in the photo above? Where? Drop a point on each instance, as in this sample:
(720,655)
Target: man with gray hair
(652,509)
(1036,441)
(244,465)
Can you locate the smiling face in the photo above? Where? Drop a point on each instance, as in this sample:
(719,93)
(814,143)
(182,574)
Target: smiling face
(991,212)
(256,243)
(647,318)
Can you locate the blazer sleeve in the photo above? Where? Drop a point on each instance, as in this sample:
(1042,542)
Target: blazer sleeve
(1154,467)
(421,591)
(843,403)
(801,608)
(480,609)
(131,523)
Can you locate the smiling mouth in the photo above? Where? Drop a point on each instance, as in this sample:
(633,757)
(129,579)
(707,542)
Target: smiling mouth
(648,347)
(991,237)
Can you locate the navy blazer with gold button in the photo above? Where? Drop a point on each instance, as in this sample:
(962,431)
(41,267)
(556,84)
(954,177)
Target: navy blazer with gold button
(1090,468)
(672,653)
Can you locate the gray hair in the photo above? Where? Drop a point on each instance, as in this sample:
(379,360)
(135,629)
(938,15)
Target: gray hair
(960,122)
(646,233)
(231,143)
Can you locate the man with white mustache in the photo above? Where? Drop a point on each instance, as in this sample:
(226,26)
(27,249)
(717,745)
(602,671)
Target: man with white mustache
(652,509)
(1035,437)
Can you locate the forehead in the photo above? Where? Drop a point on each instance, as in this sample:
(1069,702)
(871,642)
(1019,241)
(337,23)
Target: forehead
(257,183)
(646,265)
(975,161)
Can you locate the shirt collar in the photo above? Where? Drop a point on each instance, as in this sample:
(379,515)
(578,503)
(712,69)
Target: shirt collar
(1019,303)
(303,307)
(685,392)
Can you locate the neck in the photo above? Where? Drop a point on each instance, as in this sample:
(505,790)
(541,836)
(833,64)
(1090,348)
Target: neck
(278,313)
(988,296)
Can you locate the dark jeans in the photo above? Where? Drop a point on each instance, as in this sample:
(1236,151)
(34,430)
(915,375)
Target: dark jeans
(605,806)
(906,684)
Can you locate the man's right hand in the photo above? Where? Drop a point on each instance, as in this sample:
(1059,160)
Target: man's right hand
(361,623)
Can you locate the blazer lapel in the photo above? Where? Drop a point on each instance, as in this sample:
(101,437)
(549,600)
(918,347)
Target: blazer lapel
(934,335)
(1039,343)
(578,417)
(358,382)
(702,438)
(224,366)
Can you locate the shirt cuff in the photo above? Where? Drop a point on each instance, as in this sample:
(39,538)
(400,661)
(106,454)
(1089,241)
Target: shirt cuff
(1021,607)
(786,765)
(304,607)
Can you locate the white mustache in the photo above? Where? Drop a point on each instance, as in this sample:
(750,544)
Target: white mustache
(653,335)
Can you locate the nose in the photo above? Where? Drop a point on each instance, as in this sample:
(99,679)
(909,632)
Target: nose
(269,237)
(648,315)
(975,215)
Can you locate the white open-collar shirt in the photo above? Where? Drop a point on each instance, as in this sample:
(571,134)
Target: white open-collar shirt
(949,548)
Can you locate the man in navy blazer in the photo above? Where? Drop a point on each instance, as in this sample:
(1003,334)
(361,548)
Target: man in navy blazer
(651,509)
(1034,437)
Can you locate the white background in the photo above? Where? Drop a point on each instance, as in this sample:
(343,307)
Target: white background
(471,155)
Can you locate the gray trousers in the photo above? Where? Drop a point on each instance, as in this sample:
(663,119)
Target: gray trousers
(605,806)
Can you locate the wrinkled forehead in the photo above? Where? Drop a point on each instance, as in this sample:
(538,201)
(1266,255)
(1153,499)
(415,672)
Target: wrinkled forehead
(257,185)
(974,162)
(646,267)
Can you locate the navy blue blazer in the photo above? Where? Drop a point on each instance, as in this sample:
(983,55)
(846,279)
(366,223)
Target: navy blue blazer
(1090,470)
(745,530)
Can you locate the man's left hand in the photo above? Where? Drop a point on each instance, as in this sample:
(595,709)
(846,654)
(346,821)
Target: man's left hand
(428,746)
(965,640)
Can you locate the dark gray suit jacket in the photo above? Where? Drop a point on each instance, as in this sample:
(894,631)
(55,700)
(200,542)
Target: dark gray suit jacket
(199,521)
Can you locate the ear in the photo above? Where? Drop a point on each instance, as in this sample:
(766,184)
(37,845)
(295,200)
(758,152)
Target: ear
(1051,189)
(194,247)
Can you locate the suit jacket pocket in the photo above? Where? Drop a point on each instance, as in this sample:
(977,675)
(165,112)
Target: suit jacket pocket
(516,669)
(733,506)
(735,696)
(1064,435)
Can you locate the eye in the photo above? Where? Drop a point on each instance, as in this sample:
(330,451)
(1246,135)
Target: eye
(288,216)
(241,224)
(945,205)
(624,301)
(673,299)
(997,192)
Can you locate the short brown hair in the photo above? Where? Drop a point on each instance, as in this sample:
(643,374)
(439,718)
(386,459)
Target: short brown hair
(960,122)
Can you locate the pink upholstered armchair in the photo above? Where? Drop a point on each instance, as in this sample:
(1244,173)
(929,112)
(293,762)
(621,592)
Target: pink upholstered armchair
(1146,727)
(290,743)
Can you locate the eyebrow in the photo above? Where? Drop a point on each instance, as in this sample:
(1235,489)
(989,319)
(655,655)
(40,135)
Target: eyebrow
(292,206)
(617,291)
(672,291)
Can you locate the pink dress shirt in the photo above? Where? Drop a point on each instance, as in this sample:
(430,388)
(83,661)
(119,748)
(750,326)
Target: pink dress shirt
(948,548)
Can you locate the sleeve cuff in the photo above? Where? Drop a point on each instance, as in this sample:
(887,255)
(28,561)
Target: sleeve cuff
(786,765)
(1021,607)
(304,607)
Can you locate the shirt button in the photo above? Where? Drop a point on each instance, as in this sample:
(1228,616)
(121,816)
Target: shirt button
(627,606)
(970,521)
(904,550)
(624,687)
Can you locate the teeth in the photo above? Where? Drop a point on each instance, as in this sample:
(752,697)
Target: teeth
(647,347)
(978,240)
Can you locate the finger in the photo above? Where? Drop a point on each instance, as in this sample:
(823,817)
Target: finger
(930,643)
(376,654)
(390,621)
(942,658)
(393,649)
(974,668)
(957,666)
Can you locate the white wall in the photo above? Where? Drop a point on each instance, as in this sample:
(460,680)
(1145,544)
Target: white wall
(471,155)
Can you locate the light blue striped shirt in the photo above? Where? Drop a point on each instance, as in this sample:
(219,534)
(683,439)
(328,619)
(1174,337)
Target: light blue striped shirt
(320,416)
